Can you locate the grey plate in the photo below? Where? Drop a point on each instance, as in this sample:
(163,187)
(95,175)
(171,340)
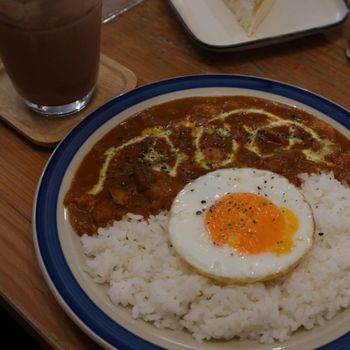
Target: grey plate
(212,25)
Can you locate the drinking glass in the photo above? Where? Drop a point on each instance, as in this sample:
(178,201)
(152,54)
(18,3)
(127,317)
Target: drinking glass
(50,50)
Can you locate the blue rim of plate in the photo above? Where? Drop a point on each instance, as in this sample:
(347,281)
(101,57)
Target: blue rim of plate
(49,251)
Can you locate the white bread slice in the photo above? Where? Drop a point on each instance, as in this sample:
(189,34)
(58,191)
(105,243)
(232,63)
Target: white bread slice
(250,13)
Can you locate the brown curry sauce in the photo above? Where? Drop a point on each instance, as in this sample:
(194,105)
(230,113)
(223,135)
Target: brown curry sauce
(141,164)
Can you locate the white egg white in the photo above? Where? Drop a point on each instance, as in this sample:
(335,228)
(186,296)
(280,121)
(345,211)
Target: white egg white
(189,236)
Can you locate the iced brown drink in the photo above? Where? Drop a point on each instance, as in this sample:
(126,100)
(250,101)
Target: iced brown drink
(50,50)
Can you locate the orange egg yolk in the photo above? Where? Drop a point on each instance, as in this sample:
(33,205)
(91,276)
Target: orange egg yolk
(251,224)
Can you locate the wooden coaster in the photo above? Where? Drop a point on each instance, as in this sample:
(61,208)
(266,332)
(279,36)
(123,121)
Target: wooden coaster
(113,79)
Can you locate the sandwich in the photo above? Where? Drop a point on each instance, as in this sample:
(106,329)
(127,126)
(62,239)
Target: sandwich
(250,13)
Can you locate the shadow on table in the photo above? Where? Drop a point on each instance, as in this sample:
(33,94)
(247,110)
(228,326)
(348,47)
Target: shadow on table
(13,333)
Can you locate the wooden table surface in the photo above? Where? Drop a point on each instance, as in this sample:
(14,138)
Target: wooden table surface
(149,40)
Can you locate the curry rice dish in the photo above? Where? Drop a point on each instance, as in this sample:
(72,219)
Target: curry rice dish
(121,195)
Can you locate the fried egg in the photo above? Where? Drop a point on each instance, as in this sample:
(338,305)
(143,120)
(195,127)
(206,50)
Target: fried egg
(241,225)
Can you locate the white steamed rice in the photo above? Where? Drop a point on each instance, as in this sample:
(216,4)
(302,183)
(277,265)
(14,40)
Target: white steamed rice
(142,271)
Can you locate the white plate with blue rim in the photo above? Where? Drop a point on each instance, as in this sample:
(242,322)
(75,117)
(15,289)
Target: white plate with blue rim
(59,250)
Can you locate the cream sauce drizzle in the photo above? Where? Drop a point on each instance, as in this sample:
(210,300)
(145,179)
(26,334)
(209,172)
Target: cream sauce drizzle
(197,132)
